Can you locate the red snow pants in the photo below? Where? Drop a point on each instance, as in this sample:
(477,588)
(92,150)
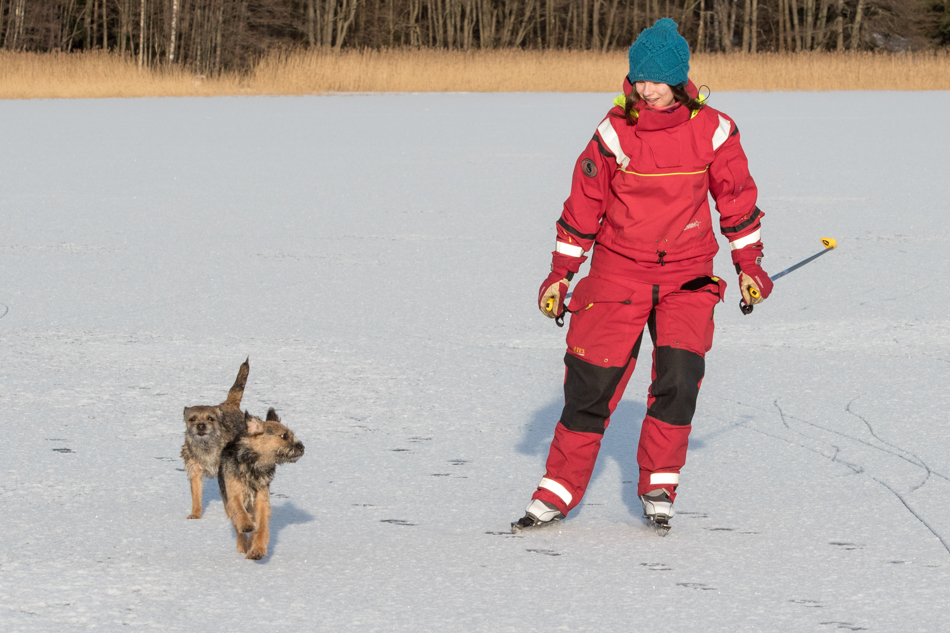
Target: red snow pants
(606,329)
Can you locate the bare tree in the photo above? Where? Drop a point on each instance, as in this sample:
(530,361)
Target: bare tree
(856,27)
(174,31)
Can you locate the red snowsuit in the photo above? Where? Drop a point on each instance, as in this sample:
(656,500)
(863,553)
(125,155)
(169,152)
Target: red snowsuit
(640,194)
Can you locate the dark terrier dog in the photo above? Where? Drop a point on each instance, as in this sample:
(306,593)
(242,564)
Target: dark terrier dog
(208,430)
(248,465)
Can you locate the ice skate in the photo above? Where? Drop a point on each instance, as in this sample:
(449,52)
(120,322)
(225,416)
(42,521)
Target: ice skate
(539,514)
(658,510)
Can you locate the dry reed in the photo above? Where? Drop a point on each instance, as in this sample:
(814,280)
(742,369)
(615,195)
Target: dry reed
(78,75)
(98,74)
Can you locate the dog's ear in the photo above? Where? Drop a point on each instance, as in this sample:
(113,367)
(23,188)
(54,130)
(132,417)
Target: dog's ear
(272,415)
(254,425)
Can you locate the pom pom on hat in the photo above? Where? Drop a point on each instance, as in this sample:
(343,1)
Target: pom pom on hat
(660,54)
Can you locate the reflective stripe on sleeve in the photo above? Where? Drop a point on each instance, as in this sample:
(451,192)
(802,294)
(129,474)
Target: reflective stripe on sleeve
(569,249)
(722,133)
(663,479)
(556,488)
(609,135)
(742,242)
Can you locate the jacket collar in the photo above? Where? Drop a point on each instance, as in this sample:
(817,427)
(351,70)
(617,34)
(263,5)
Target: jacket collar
(649,120)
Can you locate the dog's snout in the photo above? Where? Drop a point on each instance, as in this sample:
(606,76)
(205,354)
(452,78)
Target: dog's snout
(201,427)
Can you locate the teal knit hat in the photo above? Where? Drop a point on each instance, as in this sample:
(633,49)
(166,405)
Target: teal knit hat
(660,54)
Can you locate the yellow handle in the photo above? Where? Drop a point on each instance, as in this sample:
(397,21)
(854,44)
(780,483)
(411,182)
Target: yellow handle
(753,292)
(549,305)
(829,242)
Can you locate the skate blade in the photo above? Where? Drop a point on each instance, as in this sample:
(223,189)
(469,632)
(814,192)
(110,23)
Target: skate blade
(660,525)
(519,529)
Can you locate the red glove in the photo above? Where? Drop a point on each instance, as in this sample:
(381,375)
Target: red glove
(747,261)
(552,293)
(554,288)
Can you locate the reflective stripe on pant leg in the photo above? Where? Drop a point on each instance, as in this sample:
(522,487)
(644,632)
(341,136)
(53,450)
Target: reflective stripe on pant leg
(591,394)
(556,488)
(570,464)
(661,454)
(681,325)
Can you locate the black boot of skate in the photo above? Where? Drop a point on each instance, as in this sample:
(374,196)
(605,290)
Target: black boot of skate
(539,514)
(658,510)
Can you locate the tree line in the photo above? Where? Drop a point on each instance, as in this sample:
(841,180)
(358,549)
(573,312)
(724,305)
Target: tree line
(211,36)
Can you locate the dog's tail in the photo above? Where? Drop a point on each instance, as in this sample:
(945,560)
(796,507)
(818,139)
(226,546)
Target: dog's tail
(237,390)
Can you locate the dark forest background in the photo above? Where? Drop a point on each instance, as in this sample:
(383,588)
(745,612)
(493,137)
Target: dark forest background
(211,36)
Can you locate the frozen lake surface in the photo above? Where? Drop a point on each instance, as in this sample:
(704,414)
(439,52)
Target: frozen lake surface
(378,258)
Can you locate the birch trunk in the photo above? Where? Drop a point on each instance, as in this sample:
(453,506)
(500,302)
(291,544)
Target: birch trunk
(311,23)
(753,42)
(733,12)
(809,24)
(839,26)
(87,24)
(585,16)
(344,21)
(487,21)
(611,17)
(525,22)
(821,30)
(856,29)
(595,26)
(746,25)
(793,7)
(702,21)
(174,33)
(141,33)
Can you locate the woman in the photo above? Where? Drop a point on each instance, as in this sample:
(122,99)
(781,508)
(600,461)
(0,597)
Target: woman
(639,198)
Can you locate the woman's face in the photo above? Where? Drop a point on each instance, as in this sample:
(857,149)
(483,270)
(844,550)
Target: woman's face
(656,95)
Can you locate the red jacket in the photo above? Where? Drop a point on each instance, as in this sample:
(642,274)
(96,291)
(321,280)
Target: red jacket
(641,193)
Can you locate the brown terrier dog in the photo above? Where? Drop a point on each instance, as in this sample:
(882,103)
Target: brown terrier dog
(248,465)
(207,431)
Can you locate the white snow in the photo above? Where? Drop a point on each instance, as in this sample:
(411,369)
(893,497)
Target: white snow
(378,259)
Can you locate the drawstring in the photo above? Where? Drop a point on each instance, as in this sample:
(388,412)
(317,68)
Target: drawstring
(661,255)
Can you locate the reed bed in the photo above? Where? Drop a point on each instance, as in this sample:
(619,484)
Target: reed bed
(99,75)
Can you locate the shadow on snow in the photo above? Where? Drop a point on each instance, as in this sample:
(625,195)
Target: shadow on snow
(619,444)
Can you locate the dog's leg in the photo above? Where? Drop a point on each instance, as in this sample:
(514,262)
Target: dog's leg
(243,542)
(261,535)
(197,490)
(224,491)
(239,517)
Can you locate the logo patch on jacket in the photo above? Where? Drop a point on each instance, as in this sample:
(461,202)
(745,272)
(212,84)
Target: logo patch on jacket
(589,168)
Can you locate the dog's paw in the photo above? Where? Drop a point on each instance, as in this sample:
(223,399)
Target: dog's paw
(257,554)
(246,527)
(194,515)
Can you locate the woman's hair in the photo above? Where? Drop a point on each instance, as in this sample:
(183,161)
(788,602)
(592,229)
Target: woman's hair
(679,96)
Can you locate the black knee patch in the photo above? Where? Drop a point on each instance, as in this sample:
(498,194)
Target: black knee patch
(678,374)
(587,393)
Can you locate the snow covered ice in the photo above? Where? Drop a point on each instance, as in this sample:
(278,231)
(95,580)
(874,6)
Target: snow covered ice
(378,258)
